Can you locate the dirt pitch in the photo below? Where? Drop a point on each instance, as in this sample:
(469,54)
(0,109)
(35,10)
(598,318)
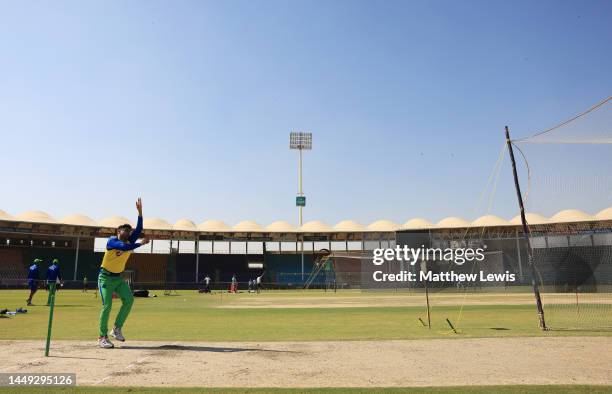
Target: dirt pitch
(488,361)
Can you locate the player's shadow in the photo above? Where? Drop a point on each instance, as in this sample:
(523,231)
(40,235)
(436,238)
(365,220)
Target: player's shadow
(194,348)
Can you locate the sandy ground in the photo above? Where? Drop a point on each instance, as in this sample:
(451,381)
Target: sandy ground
(401,300)
(554,360)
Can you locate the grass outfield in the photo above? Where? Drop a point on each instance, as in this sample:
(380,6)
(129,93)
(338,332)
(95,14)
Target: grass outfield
(190,316)
(590,389)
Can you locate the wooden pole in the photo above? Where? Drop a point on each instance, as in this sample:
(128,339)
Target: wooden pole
(424,267)
(526,234)
(428,313)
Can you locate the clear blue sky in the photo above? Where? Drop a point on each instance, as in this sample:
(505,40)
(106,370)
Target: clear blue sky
(189,104)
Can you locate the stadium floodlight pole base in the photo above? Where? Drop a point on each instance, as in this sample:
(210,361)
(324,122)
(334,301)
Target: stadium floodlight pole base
(51,305)
(526,234)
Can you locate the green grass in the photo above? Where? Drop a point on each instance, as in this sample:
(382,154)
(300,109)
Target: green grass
(195,317)
(548,389)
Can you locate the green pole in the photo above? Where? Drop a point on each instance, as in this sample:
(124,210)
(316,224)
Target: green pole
(51,305)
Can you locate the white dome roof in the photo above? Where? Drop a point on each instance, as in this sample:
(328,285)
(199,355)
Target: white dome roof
(316,226)
(214,226)
(453,222)
(5,216)
(571,215)
(78,219)
(532,218)
(383,225)
(417,224)
(36,217)
(156,224)
(281,226)
(604,214)
(115,221)
(248,226)
(184,225)
(489,221)
(349,226)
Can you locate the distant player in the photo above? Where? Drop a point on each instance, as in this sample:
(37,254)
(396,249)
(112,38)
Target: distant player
(118,250)
(207,284)
(84,284)
(54,277)
(234,285)
(258,284)
(33,279)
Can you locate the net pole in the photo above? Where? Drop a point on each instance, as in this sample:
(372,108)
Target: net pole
(526,234)
(424,268)
(51,306)
(577,304)
(427,300)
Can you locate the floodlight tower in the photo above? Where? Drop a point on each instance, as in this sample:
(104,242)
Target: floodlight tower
(300,141)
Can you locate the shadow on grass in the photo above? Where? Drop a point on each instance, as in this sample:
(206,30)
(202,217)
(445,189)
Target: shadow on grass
(194,348)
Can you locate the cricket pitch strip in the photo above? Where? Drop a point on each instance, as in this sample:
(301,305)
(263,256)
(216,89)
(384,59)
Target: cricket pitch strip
(393,363)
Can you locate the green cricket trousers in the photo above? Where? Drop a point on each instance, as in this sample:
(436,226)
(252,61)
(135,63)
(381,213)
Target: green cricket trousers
(109,283)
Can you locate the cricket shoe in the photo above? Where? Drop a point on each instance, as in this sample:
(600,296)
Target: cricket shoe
(116,333)
(104,343)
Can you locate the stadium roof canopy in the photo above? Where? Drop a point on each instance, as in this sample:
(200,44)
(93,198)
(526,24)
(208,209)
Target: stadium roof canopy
(349,226)
(184,225)
(418,224)
(79,220)
(281,226)
(83,224)
(604,214)
(571,215)
(489,221)
(214,226)
(6,216)
(36,217)
(115,221)
(453,222)
(248,226)
(532,218)
(316,226)
(156,224)
(383,225)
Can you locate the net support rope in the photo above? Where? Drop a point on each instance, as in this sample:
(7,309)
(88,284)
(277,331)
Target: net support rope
(530,139)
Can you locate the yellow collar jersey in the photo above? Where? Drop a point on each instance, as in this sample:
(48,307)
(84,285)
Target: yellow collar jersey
(115,260)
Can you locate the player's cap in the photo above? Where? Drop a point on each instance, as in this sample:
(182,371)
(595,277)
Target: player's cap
(55,261)
(37,261)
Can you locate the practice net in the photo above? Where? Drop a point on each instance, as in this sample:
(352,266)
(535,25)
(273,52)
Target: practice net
(566,176)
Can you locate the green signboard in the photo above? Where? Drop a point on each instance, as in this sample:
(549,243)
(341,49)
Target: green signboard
(300,201)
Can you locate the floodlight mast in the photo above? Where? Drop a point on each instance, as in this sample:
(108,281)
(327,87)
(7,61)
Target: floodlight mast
(300,192)
(300,141)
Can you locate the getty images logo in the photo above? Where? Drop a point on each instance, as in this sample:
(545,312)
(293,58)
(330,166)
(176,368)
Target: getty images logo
(458,256)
